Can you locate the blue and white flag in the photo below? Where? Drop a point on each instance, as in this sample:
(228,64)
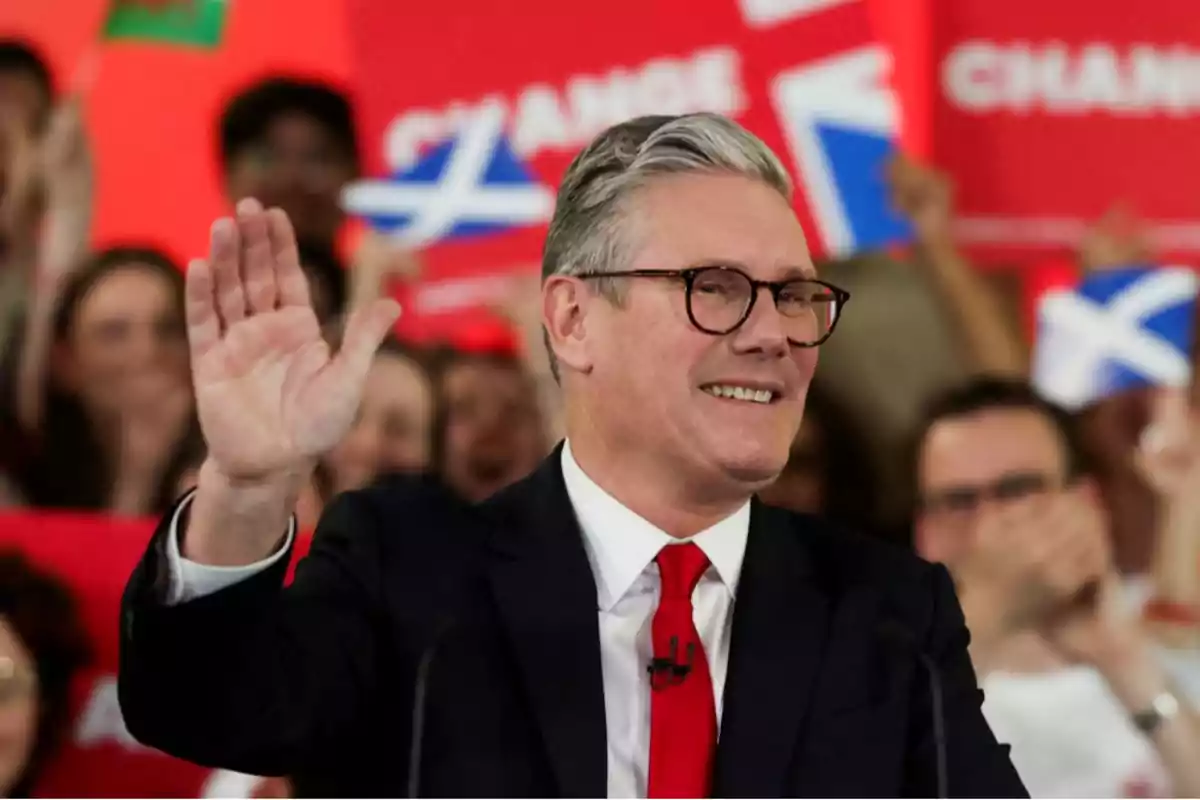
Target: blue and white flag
(841,122)
(470,185)
(1118,330)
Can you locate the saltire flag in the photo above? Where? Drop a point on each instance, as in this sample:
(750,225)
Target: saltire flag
(841,121)
(1115,331)
(185,23)
(470,185)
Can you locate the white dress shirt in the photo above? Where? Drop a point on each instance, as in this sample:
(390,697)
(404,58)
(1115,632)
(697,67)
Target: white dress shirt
(621,547)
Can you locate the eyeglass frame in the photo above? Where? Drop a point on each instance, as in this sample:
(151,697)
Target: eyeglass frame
(688,276)
(1012,486)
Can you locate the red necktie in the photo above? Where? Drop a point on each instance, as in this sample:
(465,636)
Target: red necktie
(683,715)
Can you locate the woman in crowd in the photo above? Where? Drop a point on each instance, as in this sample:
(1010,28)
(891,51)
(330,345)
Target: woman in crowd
(104,404)
(491,432)
(42,646)
(393,431)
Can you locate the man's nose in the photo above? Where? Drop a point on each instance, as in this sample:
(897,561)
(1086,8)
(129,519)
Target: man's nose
(765,330)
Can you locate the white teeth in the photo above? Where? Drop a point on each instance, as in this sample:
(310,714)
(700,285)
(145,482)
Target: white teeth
(741,393)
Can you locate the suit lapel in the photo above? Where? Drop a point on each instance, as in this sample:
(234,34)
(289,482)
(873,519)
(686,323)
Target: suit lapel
(546,594)
(780,622)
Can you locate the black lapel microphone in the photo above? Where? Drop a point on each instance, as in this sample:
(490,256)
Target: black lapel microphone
(420,694)
(668,670)
(892,631)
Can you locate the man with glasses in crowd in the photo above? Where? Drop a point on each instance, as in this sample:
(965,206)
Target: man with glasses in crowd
(1073,680)
(576,634)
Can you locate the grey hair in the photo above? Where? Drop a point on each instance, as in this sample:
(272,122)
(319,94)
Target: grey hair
(585,232)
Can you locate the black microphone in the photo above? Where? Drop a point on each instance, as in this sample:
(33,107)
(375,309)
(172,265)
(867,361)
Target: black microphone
(420,693)
(668,670)
(893,631)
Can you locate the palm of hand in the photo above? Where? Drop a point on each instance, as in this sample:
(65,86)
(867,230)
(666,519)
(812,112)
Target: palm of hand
(1168,454)
(269,395)
(1095,626)
(923,195)
(263,395)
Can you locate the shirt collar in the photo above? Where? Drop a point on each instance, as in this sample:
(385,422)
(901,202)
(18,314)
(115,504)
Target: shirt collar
(621,545)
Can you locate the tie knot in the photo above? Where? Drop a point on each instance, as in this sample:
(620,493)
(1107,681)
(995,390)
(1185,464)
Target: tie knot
(680,567)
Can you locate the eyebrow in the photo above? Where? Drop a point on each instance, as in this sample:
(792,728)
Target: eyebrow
(788,273)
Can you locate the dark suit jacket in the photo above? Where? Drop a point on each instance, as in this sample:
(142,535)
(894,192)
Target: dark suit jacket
(317,680)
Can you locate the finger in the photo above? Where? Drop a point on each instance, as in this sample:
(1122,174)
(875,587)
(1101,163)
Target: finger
(258,263)
(290,279)
(1084,559)
(200,309)
(1074,573)
(1170,409)
(365,331)
(224,254)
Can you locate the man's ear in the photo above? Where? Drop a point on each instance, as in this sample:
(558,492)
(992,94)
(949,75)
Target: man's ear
(565,302)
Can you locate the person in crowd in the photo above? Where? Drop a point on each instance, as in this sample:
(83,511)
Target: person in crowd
(46,196)
(26,85)
(27,97)
(43,644)
(924,318)
(291,142)
(327,280)
(1168,457)
(490,431)
(829,469)
(393,431)
(683,312)
(1112,426)
(1072,678)
(111,424)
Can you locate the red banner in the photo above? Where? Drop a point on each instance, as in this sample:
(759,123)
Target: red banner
(790,70)
(94,557)
(1048,112)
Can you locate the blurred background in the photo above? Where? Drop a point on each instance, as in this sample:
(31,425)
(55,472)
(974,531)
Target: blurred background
(1002,187)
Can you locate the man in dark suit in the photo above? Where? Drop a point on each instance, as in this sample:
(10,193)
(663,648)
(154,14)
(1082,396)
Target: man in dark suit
(576,634)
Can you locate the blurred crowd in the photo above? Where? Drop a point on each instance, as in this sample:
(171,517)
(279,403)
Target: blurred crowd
(1074,538)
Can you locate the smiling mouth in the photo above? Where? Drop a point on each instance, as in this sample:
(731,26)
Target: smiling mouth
(746,394)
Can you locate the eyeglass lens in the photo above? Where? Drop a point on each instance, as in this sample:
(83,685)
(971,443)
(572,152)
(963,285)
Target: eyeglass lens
(720,299)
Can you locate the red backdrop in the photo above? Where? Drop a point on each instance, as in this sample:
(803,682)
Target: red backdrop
(152,109)
(95,557)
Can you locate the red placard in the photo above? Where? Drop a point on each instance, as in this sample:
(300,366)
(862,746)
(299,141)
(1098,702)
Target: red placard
(562,74)
(1048,112)
(94,556)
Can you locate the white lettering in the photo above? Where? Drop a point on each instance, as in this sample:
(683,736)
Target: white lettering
(1167,79)
(543,117)
(101,720)
(664,87)
(1099,83)
(970,76)
(1060,79)
(408,133)
(597,103)
(717,81)
(225,783)
(539,122)
(455,295)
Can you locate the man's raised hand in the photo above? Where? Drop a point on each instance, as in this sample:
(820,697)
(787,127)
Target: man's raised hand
(270,395)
